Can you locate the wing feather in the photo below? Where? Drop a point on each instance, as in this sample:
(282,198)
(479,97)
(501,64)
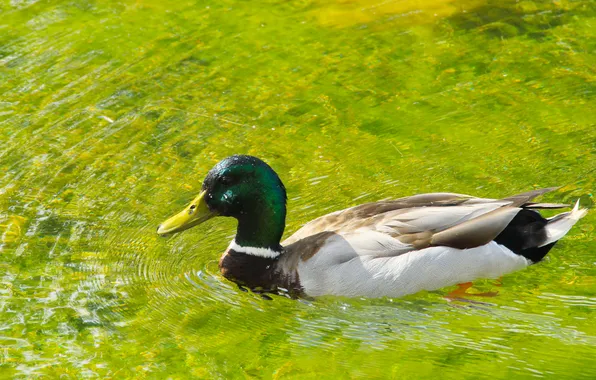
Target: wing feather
(391,228)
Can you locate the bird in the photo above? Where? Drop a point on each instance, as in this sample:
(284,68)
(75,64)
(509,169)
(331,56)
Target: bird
(389,248)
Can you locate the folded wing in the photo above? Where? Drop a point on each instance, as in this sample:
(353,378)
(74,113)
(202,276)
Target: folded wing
(390,228)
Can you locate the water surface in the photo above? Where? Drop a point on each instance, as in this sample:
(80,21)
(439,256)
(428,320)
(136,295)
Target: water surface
(111,113)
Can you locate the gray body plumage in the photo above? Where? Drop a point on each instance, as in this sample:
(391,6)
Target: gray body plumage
(424,242)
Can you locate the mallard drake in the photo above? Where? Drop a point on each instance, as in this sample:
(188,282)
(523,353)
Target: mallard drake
(380,249)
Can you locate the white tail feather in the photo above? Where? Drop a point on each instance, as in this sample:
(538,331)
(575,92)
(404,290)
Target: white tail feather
(559,225)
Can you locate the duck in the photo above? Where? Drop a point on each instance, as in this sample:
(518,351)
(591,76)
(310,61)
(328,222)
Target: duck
(389,248)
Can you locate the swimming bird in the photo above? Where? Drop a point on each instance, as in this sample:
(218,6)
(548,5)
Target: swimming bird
(389,248)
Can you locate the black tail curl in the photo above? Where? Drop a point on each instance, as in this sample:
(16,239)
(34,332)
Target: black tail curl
(524,235)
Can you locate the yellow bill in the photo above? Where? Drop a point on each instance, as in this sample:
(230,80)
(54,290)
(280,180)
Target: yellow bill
(194,214)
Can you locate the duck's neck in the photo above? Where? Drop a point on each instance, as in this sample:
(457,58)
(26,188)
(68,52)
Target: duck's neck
(259,232)
(251,258)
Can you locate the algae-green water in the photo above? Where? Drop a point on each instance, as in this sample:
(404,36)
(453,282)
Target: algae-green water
(112,112)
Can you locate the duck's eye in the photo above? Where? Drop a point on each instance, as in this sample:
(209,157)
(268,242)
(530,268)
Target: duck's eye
(226,180)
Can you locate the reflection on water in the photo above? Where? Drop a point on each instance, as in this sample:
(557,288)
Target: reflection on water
(112,113)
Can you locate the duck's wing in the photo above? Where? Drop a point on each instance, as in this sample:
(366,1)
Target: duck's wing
(351,218)
(394,227)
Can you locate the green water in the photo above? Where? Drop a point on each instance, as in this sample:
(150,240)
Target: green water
(111,113)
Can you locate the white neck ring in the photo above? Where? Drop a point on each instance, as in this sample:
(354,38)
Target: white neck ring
(254,251)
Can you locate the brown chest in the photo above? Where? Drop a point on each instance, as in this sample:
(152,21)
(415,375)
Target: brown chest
(257,273)
(246,270)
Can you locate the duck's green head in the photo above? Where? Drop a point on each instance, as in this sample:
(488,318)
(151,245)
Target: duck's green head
(242,187)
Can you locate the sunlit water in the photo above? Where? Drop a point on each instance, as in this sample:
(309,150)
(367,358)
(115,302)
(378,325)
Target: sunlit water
(111,113)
